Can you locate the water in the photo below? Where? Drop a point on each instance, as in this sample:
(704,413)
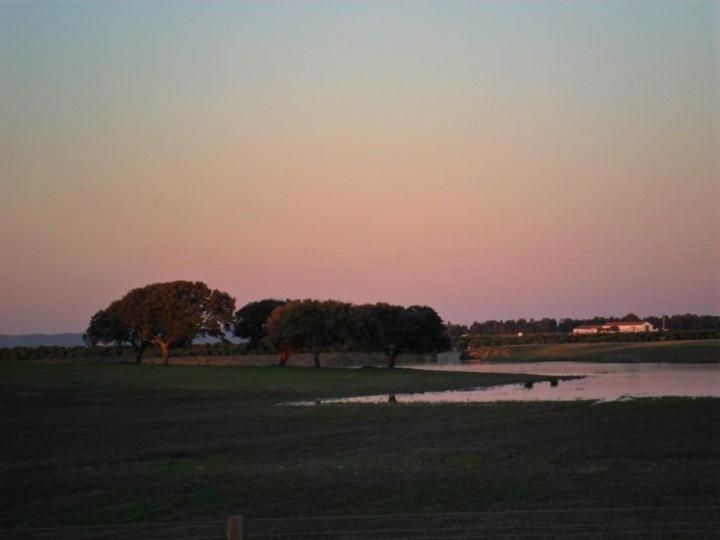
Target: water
(600,382)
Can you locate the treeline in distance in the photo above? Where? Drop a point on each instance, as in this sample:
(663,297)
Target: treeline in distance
(509,327)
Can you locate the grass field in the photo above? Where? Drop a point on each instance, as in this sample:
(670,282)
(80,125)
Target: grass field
(696,351)
(91,444)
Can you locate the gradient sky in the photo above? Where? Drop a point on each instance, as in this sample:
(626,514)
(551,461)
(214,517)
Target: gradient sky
(490,159)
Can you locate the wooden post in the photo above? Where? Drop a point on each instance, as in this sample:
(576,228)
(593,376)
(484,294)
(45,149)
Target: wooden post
(235,528)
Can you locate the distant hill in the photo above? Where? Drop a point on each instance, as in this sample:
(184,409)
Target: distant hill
(71,340)
(37,340)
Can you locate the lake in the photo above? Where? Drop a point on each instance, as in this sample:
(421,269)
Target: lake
(600,382)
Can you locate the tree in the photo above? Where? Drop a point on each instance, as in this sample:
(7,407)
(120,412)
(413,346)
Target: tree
(173,314)
(282,331)
(336,329)
(456,330)
(108,326)
(630,317)
(309,325)
(547,326)
(428,330)
(395,329)
(250,319)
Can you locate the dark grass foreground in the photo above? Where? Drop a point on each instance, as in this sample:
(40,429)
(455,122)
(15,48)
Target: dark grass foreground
(85,445)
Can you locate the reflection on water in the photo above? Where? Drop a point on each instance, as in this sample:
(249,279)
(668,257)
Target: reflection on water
(599,382)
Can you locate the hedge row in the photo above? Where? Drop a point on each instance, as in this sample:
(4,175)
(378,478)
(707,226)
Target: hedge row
(100,352)
(235,349)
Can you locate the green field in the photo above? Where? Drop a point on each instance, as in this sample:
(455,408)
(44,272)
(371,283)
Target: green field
(94,444)
(696,351)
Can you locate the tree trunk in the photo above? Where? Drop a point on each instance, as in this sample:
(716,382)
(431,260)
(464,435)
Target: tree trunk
(316,357)
(392,355)
(139,350)
(284,357)
(165,348)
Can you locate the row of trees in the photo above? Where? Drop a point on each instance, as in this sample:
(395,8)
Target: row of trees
(551,326)
(174,314)
(315,326)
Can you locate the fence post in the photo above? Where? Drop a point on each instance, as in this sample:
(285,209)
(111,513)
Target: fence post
(235,528)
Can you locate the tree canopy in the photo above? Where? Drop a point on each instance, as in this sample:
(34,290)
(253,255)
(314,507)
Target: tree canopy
(282,331)
(395,329)
(309,325)
(164,314)
(313,326)
(250,320)
(106,327)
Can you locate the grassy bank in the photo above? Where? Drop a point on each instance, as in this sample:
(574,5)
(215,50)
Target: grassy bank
(699,351)
(112,444)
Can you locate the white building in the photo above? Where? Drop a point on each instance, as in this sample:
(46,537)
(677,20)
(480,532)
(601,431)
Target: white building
(637,326)
(589,329)
(615,327)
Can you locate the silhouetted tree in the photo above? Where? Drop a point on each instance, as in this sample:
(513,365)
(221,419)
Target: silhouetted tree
(283,331)
(395,329)
(547,326)
(456,330)
(309,325)
(250,319)
(107,326)
(337,327)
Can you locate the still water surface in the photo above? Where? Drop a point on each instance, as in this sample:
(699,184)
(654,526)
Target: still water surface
(599,382)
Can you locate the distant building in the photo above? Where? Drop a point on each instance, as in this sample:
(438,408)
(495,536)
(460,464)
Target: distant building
(588,329)
(615,327)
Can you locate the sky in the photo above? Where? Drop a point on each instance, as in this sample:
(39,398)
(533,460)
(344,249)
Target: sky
(490,159)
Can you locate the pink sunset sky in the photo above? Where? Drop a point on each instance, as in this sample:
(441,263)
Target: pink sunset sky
(490,159)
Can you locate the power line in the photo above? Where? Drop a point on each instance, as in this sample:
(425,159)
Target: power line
(315,262)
